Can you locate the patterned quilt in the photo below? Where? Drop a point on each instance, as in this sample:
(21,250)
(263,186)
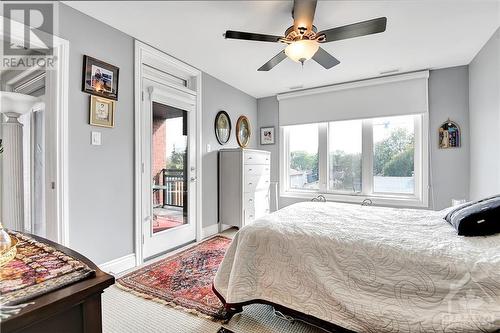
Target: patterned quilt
(368,269)
(37,269)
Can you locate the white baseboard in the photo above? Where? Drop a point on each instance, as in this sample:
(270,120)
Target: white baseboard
(119,265)
(210,231)
(226,226)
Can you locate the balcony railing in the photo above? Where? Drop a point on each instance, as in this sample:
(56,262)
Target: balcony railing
(173,188)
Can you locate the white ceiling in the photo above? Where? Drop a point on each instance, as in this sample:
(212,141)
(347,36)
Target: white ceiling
(420,34)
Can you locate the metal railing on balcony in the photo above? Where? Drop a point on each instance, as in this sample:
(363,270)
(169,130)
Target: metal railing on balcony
(172,188)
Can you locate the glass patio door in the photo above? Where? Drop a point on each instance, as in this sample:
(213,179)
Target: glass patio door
(169,173)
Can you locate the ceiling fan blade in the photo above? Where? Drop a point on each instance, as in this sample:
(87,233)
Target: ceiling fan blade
(303,14)
(325,59)
(355,30)
(273,62)
(251,36)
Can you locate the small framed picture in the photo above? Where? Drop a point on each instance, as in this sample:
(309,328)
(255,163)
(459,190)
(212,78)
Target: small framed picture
(102,112)
(100,78)
(267,136)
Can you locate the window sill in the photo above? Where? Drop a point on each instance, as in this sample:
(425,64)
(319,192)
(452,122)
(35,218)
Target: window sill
(377,200)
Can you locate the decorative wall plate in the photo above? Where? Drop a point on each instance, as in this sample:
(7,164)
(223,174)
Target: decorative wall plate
(243,131)
(222,127)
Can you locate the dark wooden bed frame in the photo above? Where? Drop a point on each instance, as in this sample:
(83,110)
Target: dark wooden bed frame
(234,308)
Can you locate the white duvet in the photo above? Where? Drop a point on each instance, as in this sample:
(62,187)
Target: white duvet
(367,269)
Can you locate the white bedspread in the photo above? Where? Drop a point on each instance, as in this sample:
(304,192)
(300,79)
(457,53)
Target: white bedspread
(367,269)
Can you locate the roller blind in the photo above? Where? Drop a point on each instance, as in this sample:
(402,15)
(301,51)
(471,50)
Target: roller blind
(388,96)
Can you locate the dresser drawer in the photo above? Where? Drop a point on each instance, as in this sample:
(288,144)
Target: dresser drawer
(256,183)
(249,200)
(256,158)
(249,215)
(257,202)
(256,169)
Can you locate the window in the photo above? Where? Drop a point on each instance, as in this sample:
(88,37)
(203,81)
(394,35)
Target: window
(344,144)
(393,155)
(383,159)
(303,157)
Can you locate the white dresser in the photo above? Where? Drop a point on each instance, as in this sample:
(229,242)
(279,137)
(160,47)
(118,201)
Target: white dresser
(244,180)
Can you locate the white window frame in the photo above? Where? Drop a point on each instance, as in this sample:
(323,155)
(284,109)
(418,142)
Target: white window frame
(420,199)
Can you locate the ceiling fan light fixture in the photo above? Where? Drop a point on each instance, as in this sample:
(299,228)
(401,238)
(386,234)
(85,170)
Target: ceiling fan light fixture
(302,50)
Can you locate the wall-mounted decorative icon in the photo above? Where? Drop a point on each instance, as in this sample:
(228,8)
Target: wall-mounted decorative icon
(449,135)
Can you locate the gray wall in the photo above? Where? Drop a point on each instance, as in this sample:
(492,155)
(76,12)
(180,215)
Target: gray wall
(449,168)
(268,116)
(448,97)
(101,178)
(216,96)
(484,87)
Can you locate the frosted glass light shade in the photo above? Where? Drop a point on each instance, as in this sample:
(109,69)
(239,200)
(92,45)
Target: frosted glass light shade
(302,50)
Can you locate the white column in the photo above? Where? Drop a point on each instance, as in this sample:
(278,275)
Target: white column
(12,173)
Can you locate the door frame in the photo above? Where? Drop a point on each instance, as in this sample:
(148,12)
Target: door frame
(147,55)
(57,163)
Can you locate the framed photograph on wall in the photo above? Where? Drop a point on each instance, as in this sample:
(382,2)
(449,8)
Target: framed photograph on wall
(102,112)
(267,136)
(100,78)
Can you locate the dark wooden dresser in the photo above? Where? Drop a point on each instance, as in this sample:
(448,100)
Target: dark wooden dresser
(71,309)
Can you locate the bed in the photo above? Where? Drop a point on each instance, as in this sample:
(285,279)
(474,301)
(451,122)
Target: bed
(365,269)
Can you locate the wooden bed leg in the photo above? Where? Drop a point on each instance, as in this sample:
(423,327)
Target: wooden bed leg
(231,311)
(234,309)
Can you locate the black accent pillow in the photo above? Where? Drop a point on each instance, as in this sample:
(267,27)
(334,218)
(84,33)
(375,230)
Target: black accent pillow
(479,218)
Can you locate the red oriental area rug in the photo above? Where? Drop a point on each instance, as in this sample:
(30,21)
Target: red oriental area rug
(184,279)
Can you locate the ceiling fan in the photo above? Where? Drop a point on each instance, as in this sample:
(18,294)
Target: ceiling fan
(303,39)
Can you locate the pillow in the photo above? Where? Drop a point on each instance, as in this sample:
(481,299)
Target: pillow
(445,211)
(479,218)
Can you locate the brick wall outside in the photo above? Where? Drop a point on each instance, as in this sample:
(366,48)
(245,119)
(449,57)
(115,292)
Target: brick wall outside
(159,159)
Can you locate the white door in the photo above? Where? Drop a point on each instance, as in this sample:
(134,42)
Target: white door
(169,167)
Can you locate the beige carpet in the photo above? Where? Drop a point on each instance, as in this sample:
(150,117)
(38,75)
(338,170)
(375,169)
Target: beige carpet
(124,312)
